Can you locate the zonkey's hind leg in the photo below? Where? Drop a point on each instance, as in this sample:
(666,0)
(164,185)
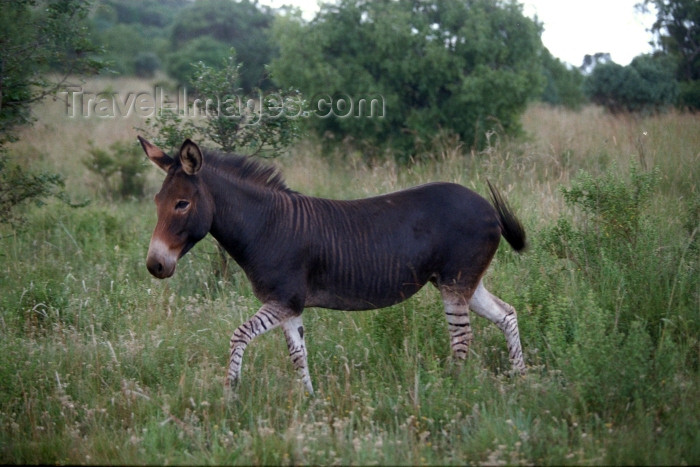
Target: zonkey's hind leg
(268,317)
(458,324)
(494,309)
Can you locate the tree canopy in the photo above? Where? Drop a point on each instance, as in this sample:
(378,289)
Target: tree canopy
(39,38)
(134,33)
(563,85)
(646,84)
(242,25)
(678,35)
(467,67)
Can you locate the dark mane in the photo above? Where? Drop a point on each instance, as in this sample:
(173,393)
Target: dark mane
(245,168)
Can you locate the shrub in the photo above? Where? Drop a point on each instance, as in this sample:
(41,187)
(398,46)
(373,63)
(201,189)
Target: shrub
(466,67)
(689,95)
(564,86)
(19,187)
(146,64)
(632,262)
(120,169)
(204,49)
(204,30)
(646,84)
(615,205)
(259,125)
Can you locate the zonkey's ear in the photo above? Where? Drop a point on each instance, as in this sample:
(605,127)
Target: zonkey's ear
(190,157)
(156,155)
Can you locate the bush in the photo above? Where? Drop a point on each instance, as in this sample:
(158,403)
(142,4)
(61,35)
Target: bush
(689,95)
(120,169)
(564,86)
(632,263)
(146,64)
(468,68)
(204,49)
(615,206)
(19,187)
(646,84)
(260,125)
(219,25)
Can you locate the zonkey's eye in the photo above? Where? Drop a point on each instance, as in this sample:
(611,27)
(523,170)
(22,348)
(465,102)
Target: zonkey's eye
(182,204)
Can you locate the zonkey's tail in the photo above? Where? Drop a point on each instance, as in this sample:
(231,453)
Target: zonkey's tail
(511,228)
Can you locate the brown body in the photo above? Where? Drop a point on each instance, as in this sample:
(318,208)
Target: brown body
(300,251)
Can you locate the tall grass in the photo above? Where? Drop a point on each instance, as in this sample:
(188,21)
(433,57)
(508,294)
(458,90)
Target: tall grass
(101,363)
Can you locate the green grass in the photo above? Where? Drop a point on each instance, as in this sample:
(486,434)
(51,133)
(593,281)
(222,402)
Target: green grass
(103,364)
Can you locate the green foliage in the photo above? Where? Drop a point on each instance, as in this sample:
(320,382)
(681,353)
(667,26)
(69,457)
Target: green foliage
(646,84)
(270,124)
(233,122)
(678,28)
(145,13)
(466,67)
(146,64)
(615,206)
(42,43)
(564,86)
(412,328)
(140,37)
(203,49)
(122,44)
(19,186)
(134,33)
(120,169)
(620,251)
(168,130)
(39,37)
(242,25)
(689,94)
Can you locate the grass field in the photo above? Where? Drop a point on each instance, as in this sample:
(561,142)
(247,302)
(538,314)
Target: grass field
(103,364)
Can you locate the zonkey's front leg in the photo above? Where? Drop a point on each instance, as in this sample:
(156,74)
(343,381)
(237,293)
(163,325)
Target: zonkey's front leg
(270,316)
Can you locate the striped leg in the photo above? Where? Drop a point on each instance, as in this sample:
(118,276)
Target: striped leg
(268,317)
(494,309)
(457,313)
(294,333)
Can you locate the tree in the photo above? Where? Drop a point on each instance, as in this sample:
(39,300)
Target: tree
(242,25)
(144,13)
(391,75)
(39,37)
(203,49)
(564,86)
(135,33)
(123,43)
(234,122)
(592,61)
(678,34)
(646,84)
(42,44)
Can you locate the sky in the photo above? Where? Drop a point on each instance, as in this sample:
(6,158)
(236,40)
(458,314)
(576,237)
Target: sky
(572,28)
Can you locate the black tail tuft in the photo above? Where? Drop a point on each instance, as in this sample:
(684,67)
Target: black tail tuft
(511,228)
